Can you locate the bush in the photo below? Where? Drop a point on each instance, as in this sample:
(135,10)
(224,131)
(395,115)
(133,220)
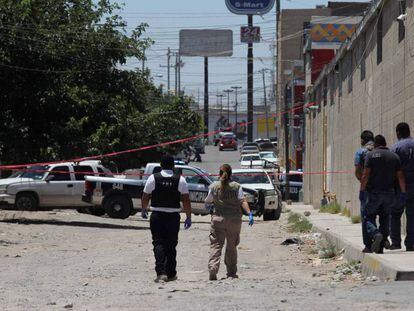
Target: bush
(356,219)
(346,212)
(298,224)
(331,208)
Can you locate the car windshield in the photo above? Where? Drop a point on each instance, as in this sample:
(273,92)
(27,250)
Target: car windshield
(295,178)
(251,178)
(250,148)
(251,158)
(35,172)
(267,155)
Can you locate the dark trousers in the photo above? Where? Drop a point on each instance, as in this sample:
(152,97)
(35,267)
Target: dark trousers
(164,230)
(397,211)
(365,236)
(379,204)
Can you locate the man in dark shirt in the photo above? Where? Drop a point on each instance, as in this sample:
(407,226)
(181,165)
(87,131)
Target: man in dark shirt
(367,144)
(404,148)
(382,168)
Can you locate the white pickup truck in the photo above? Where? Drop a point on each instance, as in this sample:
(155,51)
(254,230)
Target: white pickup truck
(120,197)
(57,185)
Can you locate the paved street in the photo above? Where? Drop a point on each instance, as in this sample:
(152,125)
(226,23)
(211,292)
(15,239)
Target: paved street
(62,259)
(213,158)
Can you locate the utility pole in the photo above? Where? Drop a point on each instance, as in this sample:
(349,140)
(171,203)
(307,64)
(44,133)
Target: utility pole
(220,101)
(143,60)
(169,66)
(176,73)
(278,105)
(205,95)
(235,88)
(228,91)
(265,102)
(179,73)
(249,84)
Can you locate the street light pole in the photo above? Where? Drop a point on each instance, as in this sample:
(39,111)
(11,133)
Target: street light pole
(265,101)
(235,88)
(228,91)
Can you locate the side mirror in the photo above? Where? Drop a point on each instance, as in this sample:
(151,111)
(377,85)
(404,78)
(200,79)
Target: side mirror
(49,177)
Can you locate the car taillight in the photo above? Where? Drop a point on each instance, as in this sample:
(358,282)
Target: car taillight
(88,187)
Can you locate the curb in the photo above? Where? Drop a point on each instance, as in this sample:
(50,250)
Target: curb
(372,264)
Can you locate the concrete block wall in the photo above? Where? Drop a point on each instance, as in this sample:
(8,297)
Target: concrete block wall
(378,103)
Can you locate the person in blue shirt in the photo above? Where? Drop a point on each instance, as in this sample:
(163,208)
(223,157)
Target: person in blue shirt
(404,148)
(367,144)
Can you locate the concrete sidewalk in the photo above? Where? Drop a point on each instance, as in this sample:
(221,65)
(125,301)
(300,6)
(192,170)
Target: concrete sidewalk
(393,265)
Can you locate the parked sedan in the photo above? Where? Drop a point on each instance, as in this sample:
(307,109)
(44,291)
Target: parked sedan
(251,161)
(259,180)
(249,149)
(269,158)
(228,143)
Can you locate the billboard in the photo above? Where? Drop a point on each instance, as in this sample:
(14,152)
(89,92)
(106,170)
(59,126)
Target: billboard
(206,42)
(250,7)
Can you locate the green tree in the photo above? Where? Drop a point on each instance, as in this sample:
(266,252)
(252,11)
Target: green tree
(63,91)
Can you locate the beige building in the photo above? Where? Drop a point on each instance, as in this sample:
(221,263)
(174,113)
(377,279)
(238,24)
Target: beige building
(368,85)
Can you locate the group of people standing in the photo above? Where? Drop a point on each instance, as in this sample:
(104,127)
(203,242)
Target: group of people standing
(387,189)
(166,190)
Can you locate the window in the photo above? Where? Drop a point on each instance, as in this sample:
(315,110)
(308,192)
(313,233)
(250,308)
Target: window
(379,40)
(402,7)
(60,173)
(191,177)
(362,58)
(81,171)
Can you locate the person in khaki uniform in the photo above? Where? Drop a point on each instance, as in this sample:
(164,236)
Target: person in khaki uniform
(228,200)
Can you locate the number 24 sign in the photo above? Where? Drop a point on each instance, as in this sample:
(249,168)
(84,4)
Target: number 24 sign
(250,34)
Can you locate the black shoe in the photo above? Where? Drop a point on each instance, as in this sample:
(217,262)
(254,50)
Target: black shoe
(394,247)
(387,244)
(376,244)
(409,248)
(367,250)
(173,278)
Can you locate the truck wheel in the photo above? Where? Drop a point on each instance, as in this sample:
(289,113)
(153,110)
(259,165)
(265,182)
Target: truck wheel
(271,215)
(25,202)
(117,206)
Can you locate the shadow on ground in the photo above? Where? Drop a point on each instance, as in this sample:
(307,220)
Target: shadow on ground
(25,221)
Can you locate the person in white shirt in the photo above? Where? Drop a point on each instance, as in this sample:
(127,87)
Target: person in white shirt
(165,190)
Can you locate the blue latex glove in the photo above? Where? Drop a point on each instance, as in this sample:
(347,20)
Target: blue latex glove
(144,213)
(362,196)
(251,220)
(403,198)
(187,223)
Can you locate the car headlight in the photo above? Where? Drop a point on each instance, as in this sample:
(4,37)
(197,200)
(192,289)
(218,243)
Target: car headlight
(270,192)
(3,190)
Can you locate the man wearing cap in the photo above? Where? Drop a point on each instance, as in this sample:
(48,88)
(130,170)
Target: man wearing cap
(404,148)
(165,190)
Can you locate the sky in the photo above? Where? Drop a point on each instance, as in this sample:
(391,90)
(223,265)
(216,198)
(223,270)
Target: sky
(167,17)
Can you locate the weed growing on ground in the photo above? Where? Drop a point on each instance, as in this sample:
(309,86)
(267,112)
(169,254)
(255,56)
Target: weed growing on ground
(326,250)
(356,219)
(298,224)
(331,208)
(346,212)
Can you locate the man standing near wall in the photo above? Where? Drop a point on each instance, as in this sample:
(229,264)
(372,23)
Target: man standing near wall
(404,148)
(367,144)
(382,168)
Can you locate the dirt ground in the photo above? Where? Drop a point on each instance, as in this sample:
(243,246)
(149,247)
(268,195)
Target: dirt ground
(64,260)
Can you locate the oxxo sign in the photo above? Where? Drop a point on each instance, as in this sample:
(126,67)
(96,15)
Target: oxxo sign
(250,7)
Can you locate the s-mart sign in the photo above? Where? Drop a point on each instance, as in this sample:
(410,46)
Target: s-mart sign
(250,7)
